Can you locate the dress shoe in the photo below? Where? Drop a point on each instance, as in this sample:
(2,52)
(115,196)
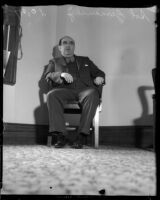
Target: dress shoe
(78,144)
(59,144)
(61,141)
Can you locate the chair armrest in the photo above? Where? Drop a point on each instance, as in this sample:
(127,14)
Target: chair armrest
(100,88)
(100,106)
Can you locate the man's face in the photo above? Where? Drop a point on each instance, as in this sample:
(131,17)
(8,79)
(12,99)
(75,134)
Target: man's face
(67,47)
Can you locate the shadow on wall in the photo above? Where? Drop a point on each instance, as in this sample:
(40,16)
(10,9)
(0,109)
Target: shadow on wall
(41,112)
(145,118)
(129,61)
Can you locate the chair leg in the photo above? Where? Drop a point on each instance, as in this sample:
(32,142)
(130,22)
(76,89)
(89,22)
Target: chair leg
(92,134)
(49,141)
(96,129)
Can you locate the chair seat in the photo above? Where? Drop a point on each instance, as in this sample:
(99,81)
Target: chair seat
(72,107)
(72,104)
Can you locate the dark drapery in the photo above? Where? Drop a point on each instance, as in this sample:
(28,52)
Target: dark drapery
(13,31)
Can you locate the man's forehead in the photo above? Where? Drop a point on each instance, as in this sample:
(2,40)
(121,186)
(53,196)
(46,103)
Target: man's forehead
(67,39)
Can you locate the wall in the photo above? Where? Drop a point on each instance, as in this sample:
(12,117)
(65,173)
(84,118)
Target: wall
(120,41)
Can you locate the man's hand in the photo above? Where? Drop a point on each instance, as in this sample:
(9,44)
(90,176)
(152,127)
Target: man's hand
(99,80)
(68,77)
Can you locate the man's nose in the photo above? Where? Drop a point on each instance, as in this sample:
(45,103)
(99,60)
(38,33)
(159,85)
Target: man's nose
(68,45)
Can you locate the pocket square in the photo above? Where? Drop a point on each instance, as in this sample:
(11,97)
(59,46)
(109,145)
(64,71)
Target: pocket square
(86,65)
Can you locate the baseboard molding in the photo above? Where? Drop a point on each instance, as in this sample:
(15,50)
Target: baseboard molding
(15,134)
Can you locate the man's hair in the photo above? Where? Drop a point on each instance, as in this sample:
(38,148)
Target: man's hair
(60,41)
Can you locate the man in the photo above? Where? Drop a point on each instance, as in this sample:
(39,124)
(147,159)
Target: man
(72,78)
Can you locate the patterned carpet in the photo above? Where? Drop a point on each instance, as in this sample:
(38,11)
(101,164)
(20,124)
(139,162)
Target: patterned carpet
(43,170)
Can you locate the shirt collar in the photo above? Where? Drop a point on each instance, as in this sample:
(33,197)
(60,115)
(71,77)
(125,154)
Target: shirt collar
(69,59)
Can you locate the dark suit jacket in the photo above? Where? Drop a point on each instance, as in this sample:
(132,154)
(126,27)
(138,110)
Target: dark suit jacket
(88,71)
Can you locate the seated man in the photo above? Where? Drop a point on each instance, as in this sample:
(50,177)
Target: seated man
(72,78)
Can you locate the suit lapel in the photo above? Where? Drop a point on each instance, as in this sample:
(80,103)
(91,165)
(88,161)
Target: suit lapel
(61,63)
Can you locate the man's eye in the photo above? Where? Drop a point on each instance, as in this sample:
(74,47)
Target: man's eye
(65,43)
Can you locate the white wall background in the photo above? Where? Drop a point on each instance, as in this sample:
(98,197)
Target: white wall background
(120,41)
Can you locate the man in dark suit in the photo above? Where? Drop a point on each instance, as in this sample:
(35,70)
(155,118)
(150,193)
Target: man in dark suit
(72,77)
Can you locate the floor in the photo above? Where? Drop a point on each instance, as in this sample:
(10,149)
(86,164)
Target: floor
(112,170)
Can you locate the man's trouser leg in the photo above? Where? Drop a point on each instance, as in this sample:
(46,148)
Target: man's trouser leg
(55,103)
(89,99)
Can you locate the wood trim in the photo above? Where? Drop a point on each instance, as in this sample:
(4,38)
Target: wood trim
(109,135)
(15,133)
(139,136)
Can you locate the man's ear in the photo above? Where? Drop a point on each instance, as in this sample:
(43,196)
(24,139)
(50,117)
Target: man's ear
(59,47)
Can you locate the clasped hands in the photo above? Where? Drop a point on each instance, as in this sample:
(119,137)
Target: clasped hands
(69,78)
